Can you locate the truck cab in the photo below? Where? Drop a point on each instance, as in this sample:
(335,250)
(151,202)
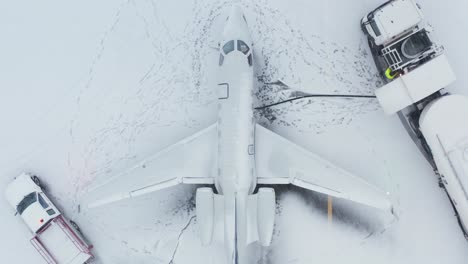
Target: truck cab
(411,63)
(381,26)
(30,202)
(399,38)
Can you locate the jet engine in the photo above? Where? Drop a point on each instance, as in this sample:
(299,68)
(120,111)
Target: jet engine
(205,214)
(266,207)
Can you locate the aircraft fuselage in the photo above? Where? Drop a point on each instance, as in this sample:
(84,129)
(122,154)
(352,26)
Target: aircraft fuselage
(236,178)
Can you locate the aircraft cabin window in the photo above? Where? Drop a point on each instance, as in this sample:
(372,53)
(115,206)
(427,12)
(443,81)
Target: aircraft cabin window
(228,47)
(223,92)
(251,150)
(249,59)
(221,59)
(242,47)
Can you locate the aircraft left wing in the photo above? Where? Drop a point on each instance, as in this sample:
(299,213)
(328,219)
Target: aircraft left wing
(192,160)
(279,161)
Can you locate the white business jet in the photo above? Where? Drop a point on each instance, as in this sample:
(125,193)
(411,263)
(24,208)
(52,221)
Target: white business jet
(234,155)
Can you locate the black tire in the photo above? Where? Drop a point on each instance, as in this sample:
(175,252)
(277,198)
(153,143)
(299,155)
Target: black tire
(413,124)
(441,184)
(37,181)
(426,147)
(76,227)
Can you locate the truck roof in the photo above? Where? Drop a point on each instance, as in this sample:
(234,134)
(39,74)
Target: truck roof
(397,17)
(19,188)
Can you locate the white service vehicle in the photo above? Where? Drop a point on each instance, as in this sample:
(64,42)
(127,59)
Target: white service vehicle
(57,240)
(415,71)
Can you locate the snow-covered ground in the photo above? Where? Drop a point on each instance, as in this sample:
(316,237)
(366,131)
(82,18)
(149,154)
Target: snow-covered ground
(91,87)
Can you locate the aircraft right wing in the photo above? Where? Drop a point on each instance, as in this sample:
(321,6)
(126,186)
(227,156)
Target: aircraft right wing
(279,161)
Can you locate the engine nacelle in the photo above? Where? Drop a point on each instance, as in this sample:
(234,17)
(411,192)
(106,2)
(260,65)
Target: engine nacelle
(205,214)
(266,208)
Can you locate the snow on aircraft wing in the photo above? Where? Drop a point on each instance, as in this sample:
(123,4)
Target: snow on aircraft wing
(191,161)
(279,161)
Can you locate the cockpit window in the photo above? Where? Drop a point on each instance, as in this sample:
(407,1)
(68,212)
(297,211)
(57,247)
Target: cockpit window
(242,47)
(26,202)
(228,47)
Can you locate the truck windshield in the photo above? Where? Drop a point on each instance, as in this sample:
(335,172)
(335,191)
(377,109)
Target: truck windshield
(27,201)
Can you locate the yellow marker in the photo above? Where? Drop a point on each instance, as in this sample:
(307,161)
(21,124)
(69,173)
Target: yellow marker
(388,74)
(330,209)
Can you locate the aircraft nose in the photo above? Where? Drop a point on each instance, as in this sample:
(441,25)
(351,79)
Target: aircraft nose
(236,25)
(236,12)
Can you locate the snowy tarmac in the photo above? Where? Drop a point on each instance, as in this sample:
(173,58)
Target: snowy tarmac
(90,88)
